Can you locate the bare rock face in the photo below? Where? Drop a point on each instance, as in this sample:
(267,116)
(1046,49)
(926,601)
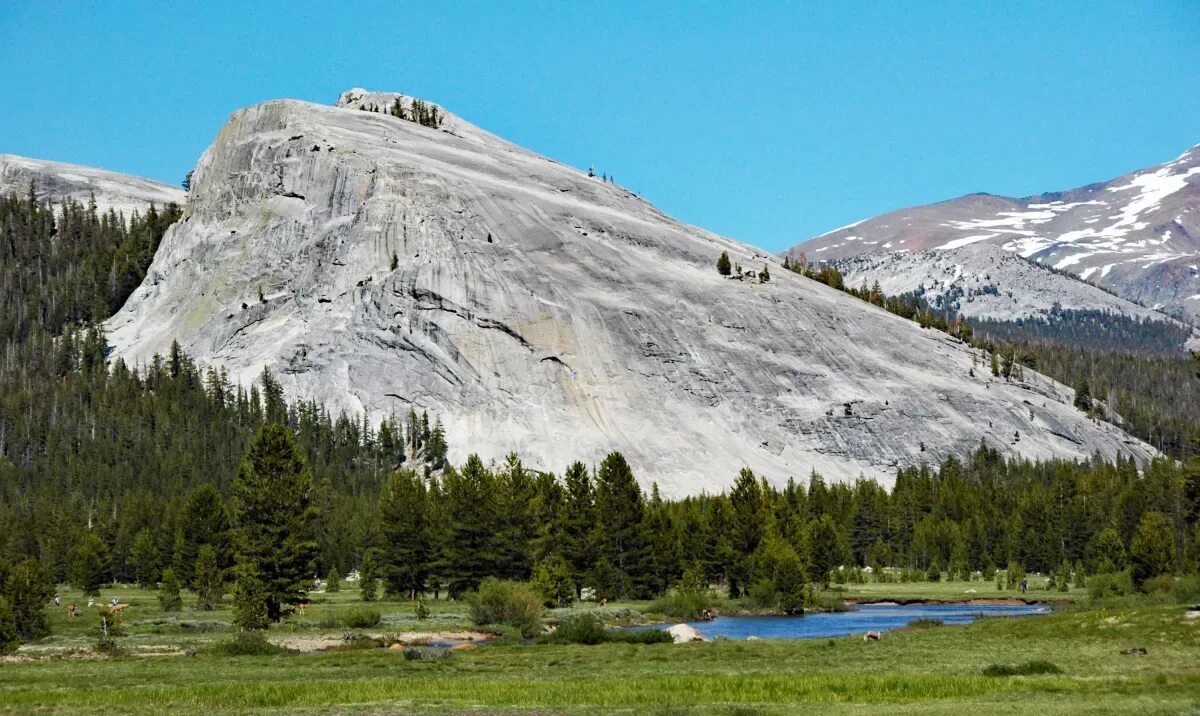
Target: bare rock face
(1137,236)
(379,265)
(55,181)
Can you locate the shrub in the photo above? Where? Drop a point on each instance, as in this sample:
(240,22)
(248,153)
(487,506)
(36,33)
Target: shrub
(924,623)
(247,643)
(1187,589)
(506,602)
(1162,584)
(1029,668)
(425,653)
(580,629)
(588,629)
(1110,584)
(683,605)
(646,636)
(420,611)
(361,618)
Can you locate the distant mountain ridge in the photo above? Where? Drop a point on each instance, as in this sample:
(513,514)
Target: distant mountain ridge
(55,181)
(1137,236)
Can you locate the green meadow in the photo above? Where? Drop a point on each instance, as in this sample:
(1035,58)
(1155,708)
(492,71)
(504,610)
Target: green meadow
(170,665)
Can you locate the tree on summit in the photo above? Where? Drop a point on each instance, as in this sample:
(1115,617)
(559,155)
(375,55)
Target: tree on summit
(724,267)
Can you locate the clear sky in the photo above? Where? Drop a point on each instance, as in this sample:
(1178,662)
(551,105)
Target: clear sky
(769,122)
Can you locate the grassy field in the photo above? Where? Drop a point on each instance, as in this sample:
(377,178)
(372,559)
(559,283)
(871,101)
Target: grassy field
(937,670)
(955,591)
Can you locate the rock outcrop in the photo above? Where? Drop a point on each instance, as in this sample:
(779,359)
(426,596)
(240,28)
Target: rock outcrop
(1137,236)
(55,181)
(379,265)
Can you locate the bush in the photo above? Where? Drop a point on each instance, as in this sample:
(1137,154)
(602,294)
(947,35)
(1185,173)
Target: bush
(1187,589)
(425,653)
(505,602)
(1162,584)
(683,605)
(1029,668)
(588,629)
(646,636)
(924,623)
(580,629)
(1111,584)
(361,618)
(247,643)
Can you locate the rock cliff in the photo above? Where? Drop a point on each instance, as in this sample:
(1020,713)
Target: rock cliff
(380,265)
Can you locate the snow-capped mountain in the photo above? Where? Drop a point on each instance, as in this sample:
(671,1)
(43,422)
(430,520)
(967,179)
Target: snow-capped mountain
(1137,236)
(377,264)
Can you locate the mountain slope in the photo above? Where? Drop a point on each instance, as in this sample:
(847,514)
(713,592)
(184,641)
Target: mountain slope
(1137,236)
(55,181)
(541,311)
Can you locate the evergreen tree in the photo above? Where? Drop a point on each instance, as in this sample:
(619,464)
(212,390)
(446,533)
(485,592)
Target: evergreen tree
(10,641)
(1107,552)
(27,590)
(333,581)
(209,584)
(724,267)
(275,518)
(368,576)
(552,579)
(827,548)
(1152,549)
(620,538)
(470,550)
(144,558)
(765,274)
(1083,396)
(251,598)
(168,592)
(578,544)
(204,521)
(752,518)
(89,564)
(407,535)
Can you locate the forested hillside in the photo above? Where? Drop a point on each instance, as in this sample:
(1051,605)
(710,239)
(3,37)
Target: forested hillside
(111,473)
(1138,368)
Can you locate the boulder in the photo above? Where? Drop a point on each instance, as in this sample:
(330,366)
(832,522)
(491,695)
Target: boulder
(684,633)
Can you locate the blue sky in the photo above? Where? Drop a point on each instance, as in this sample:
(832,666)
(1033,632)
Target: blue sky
(769,122)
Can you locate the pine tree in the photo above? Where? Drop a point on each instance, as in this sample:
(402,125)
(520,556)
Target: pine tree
(470,546)
(552,579)
(27,590)
(1083,396)
(275,517)
(10,641)
(209,584)
(407,535)
(204,521)
(333,581)
(368,576)
(995,365)
(578,542)
(89,564)
(1107,552)
(827,548)
(144,558)
(1152,548)
(765,274)
(250,599)
(168,592)
(724,267)
(620,538)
